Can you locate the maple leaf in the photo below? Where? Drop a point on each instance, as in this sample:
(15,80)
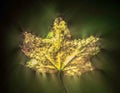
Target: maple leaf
(59,52)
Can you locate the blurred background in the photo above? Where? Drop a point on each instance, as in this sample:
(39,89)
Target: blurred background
(84,18)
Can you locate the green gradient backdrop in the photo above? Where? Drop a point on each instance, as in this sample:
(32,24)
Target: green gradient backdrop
(84,19)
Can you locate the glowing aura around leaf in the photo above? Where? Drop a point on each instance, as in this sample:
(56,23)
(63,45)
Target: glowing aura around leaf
(59,52)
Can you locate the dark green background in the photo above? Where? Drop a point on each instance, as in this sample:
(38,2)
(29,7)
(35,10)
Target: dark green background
(84,18)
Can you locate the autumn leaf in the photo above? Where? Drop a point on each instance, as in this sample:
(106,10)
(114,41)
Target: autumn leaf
(59,52)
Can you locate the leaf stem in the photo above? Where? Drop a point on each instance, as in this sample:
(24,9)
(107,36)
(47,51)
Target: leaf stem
(62,81)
